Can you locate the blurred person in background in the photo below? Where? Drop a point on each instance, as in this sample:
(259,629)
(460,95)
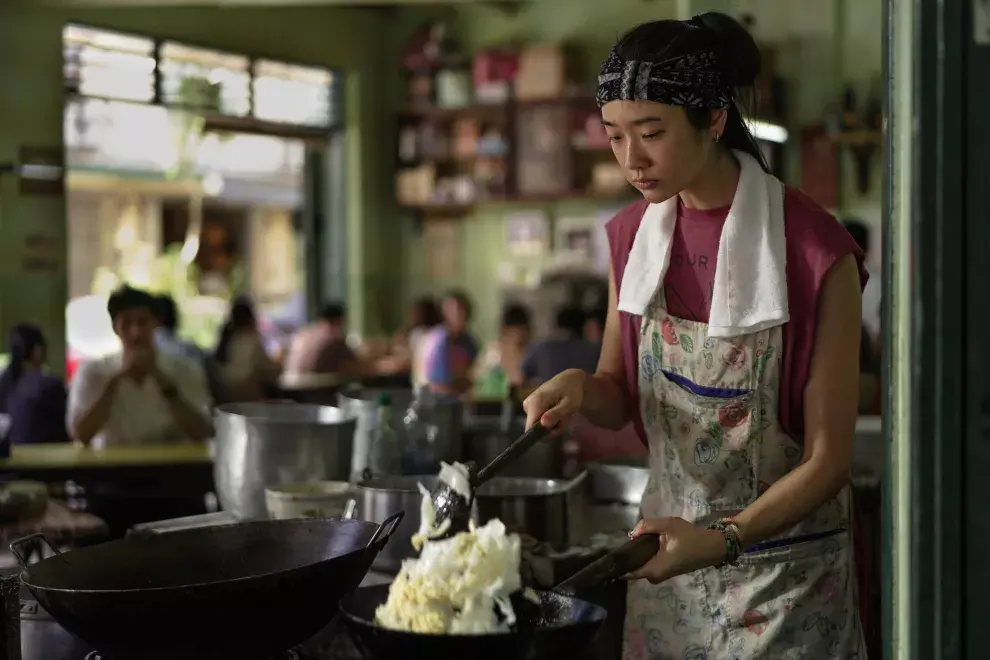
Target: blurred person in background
(246,370)
(869,348)
(167,339)
(450,350)
(862,234)
(34,401)
(138,395)
(167,333)
(565,348)
(321,347)
(500,366)
(407,343)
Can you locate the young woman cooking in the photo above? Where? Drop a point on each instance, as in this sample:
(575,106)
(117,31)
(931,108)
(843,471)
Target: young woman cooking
(732,343)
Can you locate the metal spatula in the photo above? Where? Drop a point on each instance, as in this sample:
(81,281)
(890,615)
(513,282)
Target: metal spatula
(451,505)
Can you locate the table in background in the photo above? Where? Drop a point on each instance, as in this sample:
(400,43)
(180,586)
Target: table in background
(124,485)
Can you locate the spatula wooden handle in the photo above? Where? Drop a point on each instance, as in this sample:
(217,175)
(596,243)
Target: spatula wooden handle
(625,559)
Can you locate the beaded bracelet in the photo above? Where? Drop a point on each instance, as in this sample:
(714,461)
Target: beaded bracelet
(733,546)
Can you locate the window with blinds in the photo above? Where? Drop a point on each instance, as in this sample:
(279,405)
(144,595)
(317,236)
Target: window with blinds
(112,66)
(205,80)
(108,64)
(294,94)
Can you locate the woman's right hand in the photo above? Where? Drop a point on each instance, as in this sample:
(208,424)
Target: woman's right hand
(556,400)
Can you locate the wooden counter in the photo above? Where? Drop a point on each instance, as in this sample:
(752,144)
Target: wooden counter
(123,485)
(69,456)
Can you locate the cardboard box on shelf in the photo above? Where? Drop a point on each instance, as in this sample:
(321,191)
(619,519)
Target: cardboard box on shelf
(543,73)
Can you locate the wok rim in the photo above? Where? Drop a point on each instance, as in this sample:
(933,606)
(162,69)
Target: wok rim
(601,615)
(145,590)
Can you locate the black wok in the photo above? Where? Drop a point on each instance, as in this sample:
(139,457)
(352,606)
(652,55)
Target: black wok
(561,627)
(239,592)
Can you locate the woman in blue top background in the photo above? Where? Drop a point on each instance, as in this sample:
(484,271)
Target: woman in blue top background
(451,349)
(34,400)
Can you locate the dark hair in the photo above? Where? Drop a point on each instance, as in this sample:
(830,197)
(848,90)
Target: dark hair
(515,316)
(429,314)
(168,312)
(859,232)
(127,297)
(571,319)
(738,56)
(462,299)
(25,338)
(241,316)
(332,312)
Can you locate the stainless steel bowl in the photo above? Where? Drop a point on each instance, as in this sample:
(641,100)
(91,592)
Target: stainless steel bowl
(549,510)
(263,444)
(379,498)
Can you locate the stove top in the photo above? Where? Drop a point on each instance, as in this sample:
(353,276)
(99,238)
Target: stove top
(287,655)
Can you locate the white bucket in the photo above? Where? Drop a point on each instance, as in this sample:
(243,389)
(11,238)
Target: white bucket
(316,499)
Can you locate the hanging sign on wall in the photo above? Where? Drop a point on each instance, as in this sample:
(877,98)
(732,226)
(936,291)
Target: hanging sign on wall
(41,170)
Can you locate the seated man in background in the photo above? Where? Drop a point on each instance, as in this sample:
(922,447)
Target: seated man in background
(565,348)
(139,395)
(321,347)
(167,339)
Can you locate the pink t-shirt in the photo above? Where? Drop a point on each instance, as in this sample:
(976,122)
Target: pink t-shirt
(815,242)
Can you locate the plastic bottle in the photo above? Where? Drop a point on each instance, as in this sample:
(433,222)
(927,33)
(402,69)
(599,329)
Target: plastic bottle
(385,457)
(419,455)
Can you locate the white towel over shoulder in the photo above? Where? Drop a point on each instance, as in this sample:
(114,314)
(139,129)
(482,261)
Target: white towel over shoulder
(750,274)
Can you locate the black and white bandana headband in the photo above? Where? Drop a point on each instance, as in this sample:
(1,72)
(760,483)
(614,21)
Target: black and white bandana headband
(691,81)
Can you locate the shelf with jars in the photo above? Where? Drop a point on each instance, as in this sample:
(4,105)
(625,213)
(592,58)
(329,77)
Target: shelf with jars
(503,126)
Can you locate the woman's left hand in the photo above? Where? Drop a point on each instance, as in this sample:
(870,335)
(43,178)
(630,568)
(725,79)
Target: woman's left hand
(684,547)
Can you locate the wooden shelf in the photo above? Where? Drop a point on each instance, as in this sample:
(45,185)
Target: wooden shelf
(481,111)
(857,138)
(572,161)
(439,210)
(455,210)
(488,110)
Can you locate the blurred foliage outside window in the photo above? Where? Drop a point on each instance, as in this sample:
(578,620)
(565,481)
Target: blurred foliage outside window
(200,317)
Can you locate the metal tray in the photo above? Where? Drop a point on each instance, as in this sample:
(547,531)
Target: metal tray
(619,480)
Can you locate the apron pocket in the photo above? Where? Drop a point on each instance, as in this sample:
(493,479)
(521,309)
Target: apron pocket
(713,394)
(796,601)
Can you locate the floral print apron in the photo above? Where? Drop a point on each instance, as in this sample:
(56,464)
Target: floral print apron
(709,407)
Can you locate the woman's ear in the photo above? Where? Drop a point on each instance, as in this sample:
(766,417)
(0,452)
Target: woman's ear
(716,125)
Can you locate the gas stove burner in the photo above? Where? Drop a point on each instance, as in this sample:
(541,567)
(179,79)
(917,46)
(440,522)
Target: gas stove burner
(286,655)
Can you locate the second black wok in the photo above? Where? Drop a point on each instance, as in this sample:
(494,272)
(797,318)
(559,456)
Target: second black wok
(239,592)
(561,626)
